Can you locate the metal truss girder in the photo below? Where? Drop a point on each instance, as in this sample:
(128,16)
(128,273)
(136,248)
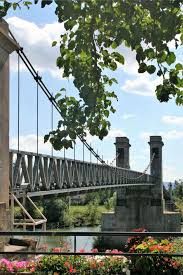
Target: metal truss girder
(44,173)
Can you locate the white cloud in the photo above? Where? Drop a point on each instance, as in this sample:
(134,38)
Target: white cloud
(142,85)
(178,120)
(145,135)
(36,41)
(111,135)
(127,116)
(174,134)
(115,133)
(29,143)
(170,173)
(168,135)
(171,44)
(131,65)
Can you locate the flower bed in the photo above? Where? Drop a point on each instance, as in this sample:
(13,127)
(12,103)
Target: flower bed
(100,265)
(152,265)
(9,267)
(97,265)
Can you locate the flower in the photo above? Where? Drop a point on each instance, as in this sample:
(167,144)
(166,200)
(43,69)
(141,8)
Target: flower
(72,270)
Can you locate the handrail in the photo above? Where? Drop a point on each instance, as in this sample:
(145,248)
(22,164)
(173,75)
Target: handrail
(89,233)
(75,234)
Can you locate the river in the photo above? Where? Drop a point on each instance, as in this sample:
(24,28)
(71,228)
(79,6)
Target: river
(82,242)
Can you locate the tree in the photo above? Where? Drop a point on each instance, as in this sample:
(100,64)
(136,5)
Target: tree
(178,190)
(95,29)
(55,209)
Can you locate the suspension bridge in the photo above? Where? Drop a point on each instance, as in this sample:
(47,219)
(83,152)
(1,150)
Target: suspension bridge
(45,175)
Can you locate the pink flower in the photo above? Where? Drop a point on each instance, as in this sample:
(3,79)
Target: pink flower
(57,249)
(82,250)
(94,250)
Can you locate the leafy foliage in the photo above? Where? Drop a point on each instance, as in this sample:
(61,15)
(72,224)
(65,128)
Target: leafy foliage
(95,29)
(178,190)
(153,265)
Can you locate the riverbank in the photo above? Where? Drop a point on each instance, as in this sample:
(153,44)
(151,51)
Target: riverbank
(81,216)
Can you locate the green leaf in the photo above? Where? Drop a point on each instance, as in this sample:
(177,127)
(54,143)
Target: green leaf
(170,58)
(54,43)
(113,66)
(159,73)
(57,95)
(45,2)
(151,69)
(106,113)
(118,57)
(114,45)
(14,5)
(142,68)
(178,66)
(71,45)
(46,138)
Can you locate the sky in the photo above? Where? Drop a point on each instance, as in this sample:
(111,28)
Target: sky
(138,112)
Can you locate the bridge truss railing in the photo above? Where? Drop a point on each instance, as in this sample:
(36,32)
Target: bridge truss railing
(43,172)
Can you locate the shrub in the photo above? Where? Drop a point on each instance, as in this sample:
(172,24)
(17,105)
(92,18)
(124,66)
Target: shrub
(154,265)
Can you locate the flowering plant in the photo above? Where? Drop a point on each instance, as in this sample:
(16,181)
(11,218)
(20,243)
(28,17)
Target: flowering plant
(17,266)
(154,265)
(97,265)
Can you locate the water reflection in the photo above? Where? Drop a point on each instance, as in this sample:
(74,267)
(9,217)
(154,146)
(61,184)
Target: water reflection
(82,242)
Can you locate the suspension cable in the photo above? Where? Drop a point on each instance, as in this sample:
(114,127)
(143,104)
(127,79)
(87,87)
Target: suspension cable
(111,163)
(18,103)
(145,170)
(37,114)
(52,126)
(41,84)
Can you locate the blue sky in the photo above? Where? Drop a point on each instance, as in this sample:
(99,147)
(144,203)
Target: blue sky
(138,115)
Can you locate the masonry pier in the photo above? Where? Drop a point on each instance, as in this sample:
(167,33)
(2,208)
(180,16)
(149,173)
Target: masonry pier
(7,46)
(140,206)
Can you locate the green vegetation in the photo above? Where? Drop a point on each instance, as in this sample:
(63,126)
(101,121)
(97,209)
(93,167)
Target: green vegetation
(178,248)
(84,215)
(178,196)
(60,213)
(96,33)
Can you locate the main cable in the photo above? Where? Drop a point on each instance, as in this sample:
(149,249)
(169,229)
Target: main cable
(50,97)
(41,84)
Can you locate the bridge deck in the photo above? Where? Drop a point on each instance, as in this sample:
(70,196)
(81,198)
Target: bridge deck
(46,175)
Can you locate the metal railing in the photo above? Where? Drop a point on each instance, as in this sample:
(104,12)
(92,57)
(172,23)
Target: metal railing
(75,234)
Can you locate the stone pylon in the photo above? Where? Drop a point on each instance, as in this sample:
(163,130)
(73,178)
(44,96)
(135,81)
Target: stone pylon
(140,206)
(7,46)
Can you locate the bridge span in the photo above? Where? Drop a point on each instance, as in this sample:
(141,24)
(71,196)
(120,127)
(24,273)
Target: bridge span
(140,203)
(47,175)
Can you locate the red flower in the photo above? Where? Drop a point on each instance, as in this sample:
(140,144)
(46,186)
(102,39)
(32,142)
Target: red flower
(72,270)
(67,264)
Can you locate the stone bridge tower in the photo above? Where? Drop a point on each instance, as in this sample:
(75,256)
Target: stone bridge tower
(7,46)
(140,206)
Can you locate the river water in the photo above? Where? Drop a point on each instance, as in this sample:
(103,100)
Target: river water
(82,242)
